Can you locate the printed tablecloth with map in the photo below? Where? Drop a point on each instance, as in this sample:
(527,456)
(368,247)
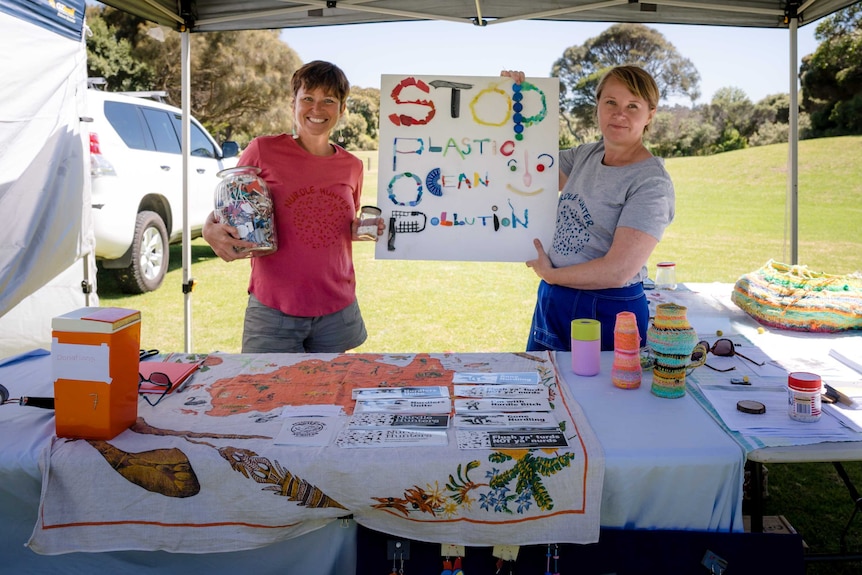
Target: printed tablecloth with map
(199,472)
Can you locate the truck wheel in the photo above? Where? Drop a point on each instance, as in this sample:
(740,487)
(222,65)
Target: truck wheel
(150,256)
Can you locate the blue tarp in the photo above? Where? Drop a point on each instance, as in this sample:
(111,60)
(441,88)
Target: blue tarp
(66,18)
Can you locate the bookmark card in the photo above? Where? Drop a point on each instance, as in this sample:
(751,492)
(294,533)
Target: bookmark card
(512,377)
(491,421)
(319,410)
(309,431)
(353,438)
(421,391)
(383,420)
(502,390)
(493,405)
(433,405)
(523,439)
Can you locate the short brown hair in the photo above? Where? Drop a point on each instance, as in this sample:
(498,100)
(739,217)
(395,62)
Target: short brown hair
(320,74)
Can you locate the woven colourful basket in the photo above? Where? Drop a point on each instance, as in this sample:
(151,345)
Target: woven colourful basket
(795,298)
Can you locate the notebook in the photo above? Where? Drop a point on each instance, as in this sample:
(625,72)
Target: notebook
(177,373)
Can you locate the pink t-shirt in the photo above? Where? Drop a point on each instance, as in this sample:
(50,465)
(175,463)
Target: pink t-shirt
(315,200)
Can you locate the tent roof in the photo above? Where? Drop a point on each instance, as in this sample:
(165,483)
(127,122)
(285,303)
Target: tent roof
(211,15)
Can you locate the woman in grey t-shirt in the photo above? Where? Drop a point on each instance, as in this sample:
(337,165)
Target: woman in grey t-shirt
(616,200)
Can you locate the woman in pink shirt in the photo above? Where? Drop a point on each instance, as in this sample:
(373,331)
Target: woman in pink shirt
(302,297)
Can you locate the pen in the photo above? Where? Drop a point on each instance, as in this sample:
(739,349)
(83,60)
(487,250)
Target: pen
(190,375)
(184,383)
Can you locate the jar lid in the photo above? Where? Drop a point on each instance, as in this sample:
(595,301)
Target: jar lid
(586,329)
(804,381)
(238,170)
(665,264)
(750,406)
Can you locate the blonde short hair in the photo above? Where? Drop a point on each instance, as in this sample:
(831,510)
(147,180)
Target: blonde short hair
(638,81)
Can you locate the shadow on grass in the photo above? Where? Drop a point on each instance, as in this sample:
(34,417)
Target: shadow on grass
(107,284)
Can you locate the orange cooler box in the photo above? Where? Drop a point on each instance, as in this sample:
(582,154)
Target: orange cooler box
(94,360)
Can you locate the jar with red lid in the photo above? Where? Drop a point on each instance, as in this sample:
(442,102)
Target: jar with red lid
(665,275)
(803,396)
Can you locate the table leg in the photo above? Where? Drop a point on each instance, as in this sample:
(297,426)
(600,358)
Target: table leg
(857,502)
(756,491)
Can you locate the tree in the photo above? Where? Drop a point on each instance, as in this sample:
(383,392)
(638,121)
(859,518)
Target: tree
(731,113)
(581,67)
(566,135)
(771,120)
(240,81)
(365,104)
(112,58)
(673,132)
(831,78)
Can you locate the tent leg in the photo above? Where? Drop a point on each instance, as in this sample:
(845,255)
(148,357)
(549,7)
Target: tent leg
(88,283)
(187,247)
(793,147)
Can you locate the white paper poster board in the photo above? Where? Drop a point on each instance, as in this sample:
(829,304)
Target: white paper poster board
(467,167)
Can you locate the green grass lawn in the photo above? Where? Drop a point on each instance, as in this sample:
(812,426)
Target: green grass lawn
(730,219)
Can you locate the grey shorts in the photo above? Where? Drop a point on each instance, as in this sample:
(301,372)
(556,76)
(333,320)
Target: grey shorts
(268,330)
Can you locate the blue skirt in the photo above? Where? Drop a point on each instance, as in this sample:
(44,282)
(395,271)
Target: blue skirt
(557,306)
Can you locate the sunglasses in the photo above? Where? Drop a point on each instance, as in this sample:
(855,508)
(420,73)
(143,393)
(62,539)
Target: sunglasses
(145,353)
(162,383)
(722,348)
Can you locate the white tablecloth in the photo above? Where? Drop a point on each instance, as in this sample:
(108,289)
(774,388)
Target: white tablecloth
(668,465)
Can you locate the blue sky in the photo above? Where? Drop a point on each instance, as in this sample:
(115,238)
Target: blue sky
(753,59)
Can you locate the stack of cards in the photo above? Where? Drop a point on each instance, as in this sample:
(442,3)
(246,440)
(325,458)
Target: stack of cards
(398,417)
(504,411)
(492,411)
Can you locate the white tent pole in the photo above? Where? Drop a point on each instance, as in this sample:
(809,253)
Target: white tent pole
(87,284)
(187,243)
(793,149)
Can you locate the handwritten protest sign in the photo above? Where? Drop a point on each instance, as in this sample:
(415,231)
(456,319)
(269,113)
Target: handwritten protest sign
(467,167)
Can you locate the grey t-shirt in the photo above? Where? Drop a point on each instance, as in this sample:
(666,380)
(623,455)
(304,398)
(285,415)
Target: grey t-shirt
(598,198)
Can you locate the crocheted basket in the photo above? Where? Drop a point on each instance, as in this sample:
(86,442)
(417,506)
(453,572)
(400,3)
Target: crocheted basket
(795,298)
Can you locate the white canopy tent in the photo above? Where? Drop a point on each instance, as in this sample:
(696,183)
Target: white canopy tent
(211,15)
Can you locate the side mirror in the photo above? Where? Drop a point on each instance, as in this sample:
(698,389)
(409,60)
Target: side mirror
(229,149)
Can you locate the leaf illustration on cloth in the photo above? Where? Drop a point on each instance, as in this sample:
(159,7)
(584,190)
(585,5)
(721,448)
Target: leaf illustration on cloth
(281,481)
(460,485)
(165,471)
(526,474)
(245,461)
